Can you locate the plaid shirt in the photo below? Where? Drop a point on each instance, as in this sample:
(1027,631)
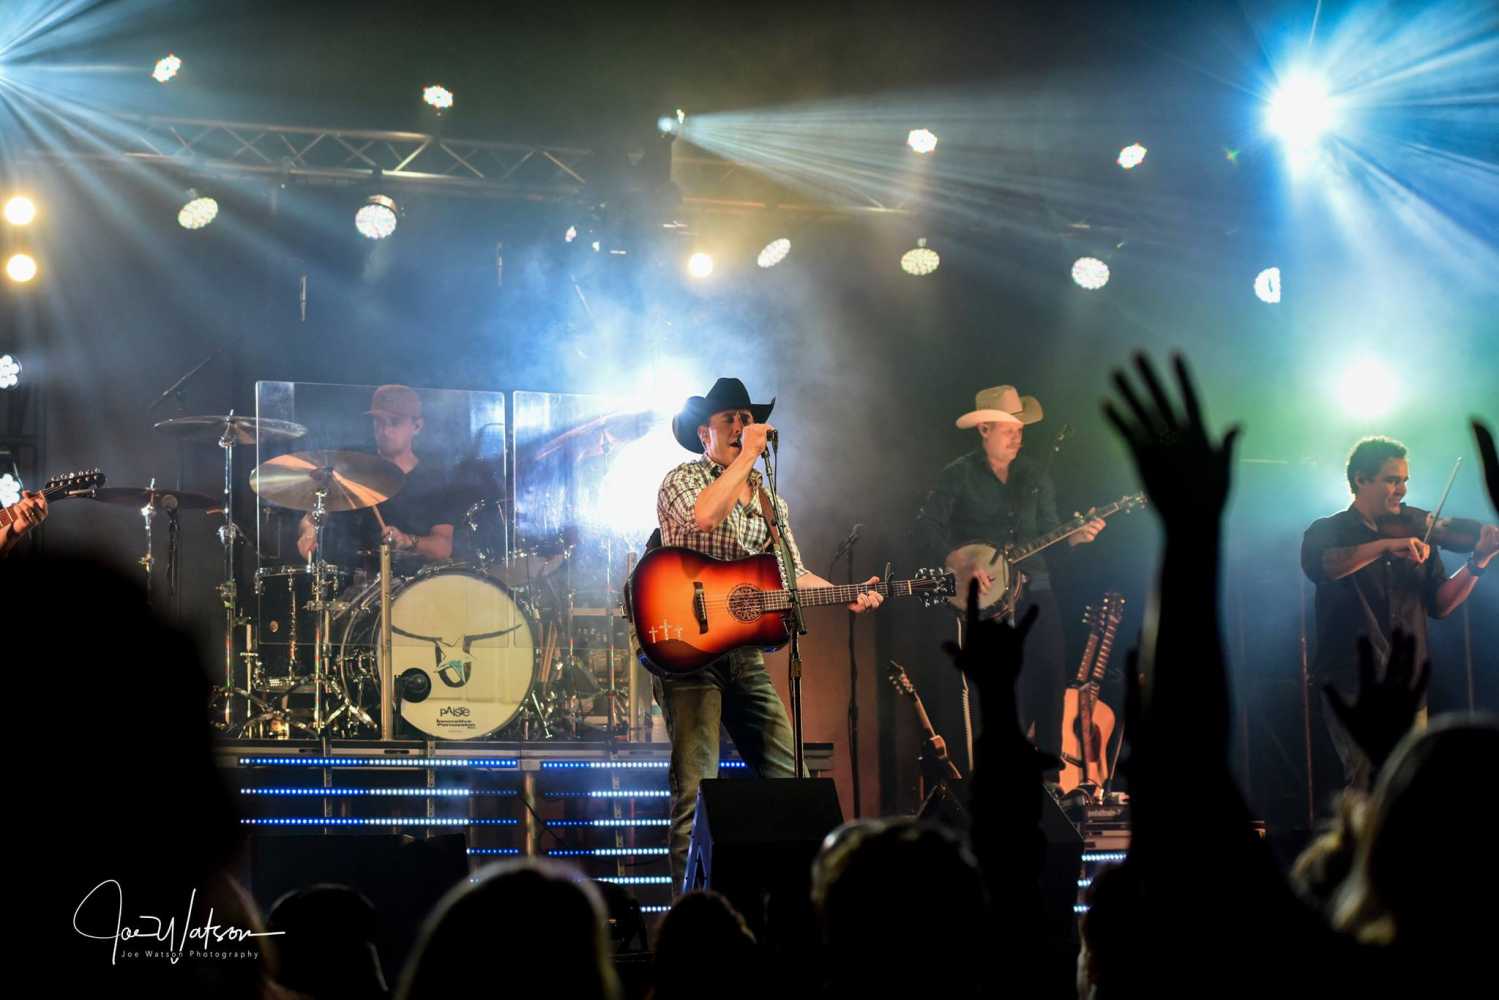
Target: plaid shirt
(743,533)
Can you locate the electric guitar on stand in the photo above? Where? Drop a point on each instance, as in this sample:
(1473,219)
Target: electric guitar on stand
(940,778)
(1088,721)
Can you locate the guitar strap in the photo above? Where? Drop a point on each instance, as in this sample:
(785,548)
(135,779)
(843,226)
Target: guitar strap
(770,518)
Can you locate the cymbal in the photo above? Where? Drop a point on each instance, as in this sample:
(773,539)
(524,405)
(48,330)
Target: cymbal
(244,430)
(352,479)
(601,435)
(140,496)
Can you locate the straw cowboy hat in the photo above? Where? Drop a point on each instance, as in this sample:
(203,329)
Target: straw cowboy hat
(1001,404)
(726,394)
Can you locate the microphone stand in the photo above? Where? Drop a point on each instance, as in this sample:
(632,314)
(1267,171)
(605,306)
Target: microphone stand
(797,624)
(846,548)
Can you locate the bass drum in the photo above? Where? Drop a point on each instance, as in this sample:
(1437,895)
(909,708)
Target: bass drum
(463,652)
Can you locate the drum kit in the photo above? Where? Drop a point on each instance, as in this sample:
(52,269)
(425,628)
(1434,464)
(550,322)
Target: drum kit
(452,651)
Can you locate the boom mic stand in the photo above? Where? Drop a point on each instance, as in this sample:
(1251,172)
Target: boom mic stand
(846,548)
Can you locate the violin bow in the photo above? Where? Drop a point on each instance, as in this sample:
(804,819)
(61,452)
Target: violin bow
(1436,514)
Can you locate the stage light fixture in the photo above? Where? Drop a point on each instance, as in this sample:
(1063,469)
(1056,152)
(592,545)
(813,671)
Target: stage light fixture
(700,265)
(10,490)
(1267,285)
(775,251)
(20,210)
(920,261)
(1300,110)
(438,96)
(1368,389)
(21,268)
(921,140)
(166,68)
(1090,273)
(570,235)
(376,218)
(1132,156)
(672,124)
(10,372)
(198,212)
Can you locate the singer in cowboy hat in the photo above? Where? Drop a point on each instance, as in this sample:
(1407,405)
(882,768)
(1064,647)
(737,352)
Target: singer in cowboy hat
(996,495)
(716,504)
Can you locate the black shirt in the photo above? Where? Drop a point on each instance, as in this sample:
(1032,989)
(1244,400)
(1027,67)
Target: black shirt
(426,500)
(1388,593)
(970,504)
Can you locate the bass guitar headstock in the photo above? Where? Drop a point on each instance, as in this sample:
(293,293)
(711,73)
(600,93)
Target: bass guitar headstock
(75,484)
(900,680)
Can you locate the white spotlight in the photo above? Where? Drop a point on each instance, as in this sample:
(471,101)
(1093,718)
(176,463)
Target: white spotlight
(672,124)
(10,372)
(166,68)
(21,268)
(921,261)
(700,265)
(1132,156)
(1090,273)
(921,140)
(438,96)
(1368,389)
(20,210)
(775,251)
(1267,285)
(376,218)
(10,490)
(570,235)
(1300,110)
(198,212)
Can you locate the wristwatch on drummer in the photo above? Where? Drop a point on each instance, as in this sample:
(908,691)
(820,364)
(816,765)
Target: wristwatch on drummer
(1473,566)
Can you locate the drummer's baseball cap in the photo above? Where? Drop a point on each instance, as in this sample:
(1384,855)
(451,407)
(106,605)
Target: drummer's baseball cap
(395,401)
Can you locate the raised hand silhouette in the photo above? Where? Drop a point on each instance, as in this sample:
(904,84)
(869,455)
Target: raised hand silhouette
(1184,473)
(1386,704)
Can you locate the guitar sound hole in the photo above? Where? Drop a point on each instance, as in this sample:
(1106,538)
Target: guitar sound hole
(744,603)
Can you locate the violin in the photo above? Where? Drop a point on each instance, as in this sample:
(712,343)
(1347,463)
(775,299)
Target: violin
(1455,534)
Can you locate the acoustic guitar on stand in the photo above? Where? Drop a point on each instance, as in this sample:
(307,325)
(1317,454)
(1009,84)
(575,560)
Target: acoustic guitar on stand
(1088,721)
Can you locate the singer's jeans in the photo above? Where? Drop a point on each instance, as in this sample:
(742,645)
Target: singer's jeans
(734,690)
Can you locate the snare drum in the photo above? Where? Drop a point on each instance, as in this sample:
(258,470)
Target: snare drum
(463,651)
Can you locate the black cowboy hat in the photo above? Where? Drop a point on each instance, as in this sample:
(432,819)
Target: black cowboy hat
(726,394)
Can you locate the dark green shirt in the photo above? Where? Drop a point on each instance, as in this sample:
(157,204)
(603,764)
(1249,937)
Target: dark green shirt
(970,504)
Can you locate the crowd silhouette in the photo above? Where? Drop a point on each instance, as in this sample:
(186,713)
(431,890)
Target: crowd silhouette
(1391,896)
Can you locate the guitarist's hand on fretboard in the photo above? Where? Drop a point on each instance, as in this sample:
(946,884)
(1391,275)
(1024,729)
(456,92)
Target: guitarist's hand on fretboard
(21,518)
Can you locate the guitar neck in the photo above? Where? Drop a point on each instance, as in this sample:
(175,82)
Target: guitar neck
(1089,651)
(1105,647)
(7,518)
(1063,531)
(815,597)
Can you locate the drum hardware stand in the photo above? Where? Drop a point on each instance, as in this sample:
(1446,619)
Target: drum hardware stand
(229,589)
(147,562)
(386,652)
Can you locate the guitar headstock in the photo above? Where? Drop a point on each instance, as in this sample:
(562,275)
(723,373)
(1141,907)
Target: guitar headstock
(1090,616)
(933,586)
(900,680)
(75,484)
(1131,503)
(1112,612)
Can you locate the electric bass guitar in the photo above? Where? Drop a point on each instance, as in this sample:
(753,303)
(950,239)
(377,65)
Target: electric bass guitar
(74,484)
(689,609)
(1087,720)
(1001,596)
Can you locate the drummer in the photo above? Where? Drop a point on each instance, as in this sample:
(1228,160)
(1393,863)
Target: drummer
(418,520)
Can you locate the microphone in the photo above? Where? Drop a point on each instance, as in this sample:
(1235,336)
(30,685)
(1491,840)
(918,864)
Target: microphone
(773,438)
(847,544)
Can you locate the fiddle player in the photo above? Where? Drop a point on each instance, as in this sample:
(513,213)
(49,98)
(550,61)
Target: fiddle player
(1369,584)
